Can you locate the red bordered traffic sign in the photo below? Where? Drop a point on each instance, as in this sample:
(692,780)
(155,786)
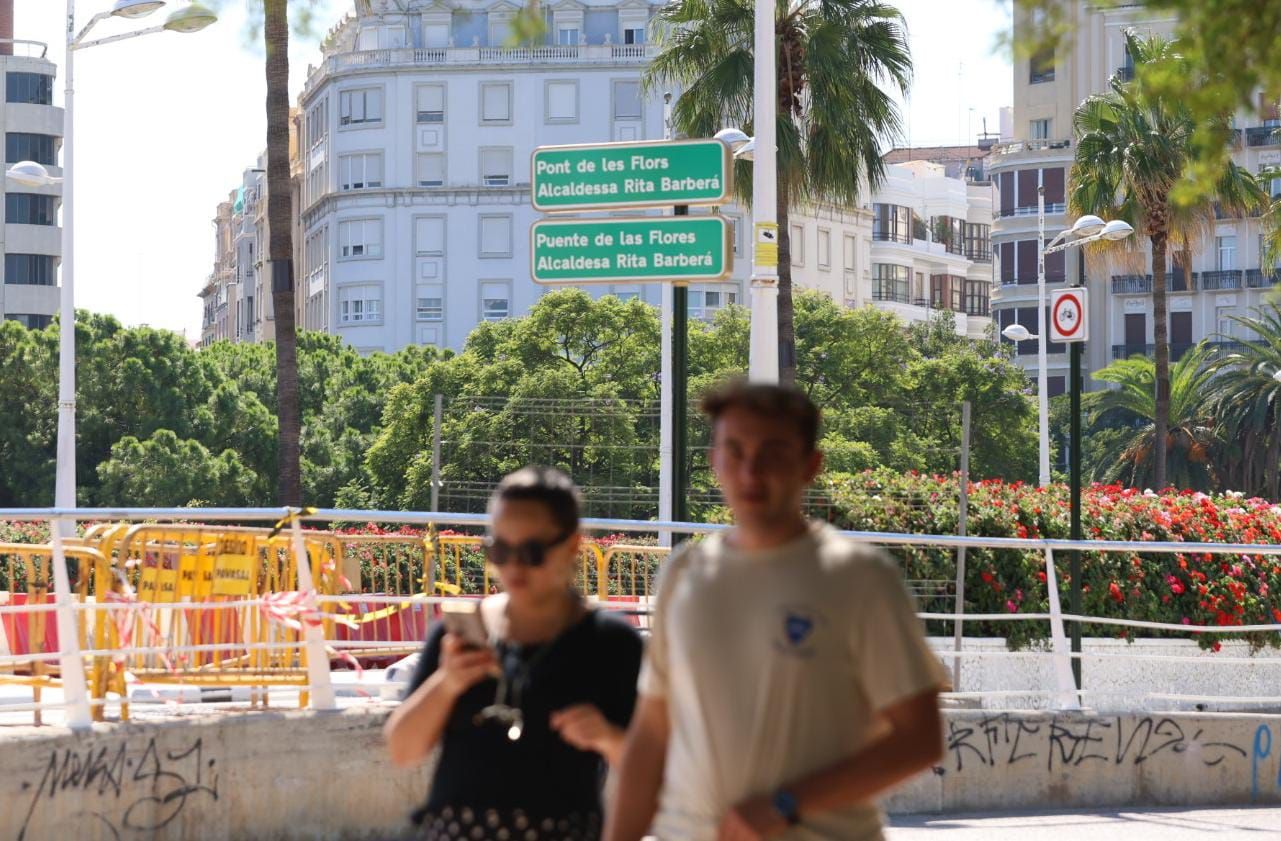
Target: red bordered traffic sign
(1068,319)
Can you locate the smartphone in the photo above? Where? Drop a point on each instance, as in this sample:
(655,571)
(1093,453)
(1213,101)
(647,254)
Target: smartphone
(465,622)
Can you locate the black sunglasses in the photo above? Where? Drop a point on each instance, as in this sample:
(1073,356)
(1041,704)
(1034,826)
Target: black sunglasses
(531,553)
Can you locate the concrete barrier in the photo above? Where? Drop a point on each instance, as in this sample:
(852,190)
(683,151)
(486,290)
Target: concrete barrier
(278,776)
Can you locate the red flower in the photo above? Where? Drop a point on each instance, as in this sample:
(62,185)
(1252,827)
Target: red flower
(987,577)
(1114,590)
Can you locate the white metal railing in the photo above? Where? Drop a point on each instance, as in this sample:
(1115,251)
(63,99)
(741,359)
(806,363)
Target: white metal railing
(1063,693)
(452,55)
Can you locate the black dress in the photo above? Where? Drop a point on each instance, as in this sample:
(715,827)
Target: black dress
(489,787)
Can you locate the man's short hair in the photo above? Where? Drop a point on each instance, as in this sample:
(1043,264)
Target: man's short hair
(771,401)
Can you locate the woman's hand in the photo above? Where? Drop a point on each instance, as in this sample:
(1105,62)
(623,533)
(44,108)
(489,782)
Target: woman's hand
(463,666)
(584,727)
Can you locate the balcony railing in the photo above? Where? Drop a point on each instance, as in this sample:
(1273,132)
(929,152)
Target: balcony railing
(477,55)
(1131,283)
(1259,279)
(977,256)
(1030,146)
(1050,209)
(1230,279)
(1177,280)
(1263,136)
(1177,349)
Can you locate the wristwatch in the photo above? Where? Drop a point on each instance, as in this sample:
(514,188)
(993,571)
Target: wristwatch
(785,804)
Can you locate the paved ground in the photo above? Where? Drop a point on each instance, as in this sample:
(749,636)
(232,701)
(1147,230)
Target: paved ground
(1246,824)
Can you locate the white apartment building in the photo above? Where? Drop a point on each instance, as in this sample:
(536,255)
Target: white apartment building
(1227,277)
(237,295)
(32,237)
(412,177)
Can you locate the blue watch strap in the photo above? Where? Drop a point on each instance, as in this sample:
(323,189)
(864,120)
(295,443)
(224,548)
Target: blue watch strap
(785,804)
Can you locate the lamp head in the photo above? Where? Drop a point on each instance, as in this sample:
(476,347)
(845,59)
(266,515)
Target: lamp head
(1116,230)
(1017,333)
(734,138)
(1087,226)
(191,18)
(135,8)
(31,174)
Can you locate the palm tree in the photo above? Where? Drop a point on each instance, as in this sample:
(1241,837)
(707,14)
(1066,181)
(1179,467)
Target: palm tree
(1133,147)
(1192,437)
(832,111)
(1246,400)
(280,253)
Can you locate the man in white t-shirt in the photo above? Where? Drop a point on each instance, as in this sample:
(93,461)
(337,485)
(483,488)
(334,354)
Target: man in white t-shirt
(787,681)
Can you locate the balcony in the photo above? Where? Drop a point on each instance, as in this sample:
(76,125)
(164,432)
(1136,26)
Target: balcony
(637,54)
(1263,136)
(1177,349)
(1050,210)
(1177,280)
(1259,279)
(1213,281)
(978,255)
(1131,284)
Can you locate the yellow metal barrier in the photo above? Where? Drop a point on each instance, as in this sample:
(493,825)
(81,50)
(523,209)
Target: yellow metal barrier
(630,569)
(35,633)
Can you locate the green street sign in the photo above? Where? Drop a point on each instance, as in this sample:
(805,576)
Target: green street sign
(656,173)
(678,249)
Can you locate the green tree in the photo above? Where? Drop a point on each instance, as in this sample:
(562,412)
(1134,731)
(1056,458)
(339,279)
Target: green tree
(165,471)
(1245,398)
(837,60)
(1134,145)
(1192,434)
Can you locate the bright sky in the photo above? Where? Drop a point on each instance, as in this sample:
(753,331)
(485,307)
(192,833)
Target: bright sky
(166,124)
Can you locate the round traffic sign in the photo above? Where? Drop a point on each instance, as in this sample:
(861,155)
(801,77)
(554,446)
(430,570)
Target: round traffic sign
(1067,317)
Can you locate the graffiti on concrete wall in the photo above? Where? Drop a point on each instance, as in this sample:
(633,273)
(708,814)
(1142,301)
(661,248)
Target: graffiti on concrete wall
(1005,739)
(129,788)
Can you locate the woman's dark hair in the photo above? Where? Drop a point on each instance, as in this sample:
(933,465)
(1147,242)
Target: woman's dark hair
(552,487)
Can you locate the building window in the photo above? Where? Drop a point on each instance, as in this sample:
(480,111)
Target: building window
(1227,252)
(978,242)
(356,172)
(950,232)
(316,262)
(317,123)
(561,101)
(495,300)
(1039,130)
(431,169)
(849,245)
(495,236)
(796,243)
(22,146)
(1042,67)
(360,107)
(429,235)
(360,238)
(567,36)
(824,248)
(31,322)
(977,297)
(430,302)
(29,269)
(359,304)
(430,105)
(32,88)
(29,209)
(627,101)
(496,167)
(947,292)
(890,282)
(634,35)
(892,223)
(495,103)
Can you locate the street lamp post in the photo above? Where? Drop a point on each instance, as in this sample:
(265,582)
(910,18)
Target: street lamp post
(763,352)
(1085,231)
(191,18)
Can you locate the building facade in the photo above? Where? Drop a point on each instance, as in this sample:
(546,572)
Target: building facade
(412,176)
(32,237)
(1226,276)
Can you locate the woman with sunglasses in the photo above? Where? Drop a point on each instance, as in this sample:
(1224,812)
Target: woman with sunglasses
(527,725)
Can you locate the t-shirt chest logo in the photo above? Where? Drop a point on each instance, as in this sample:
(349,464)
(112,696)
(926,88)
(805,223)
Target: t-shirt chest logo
(798,631)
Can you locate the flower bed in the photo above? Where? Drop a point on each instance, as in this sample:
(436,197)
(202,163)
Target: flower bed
(1187,588)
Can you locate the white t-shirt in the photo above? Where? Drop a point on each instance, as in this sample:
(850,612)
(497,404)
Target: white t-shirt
(773,665)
